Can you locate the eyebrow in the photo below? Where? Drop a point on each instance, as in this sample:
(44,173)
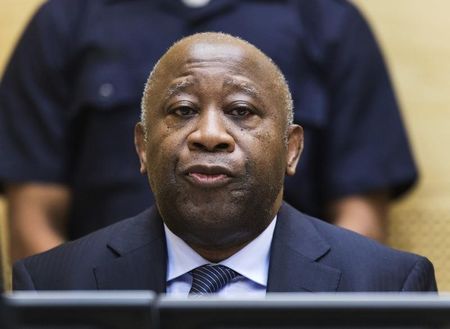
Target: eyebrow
(178,87)
(242,85)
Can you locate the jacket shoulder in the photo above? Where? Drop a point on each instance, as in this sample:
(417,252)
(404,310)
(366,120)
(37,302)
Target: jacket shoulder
(71,264)
(365,264)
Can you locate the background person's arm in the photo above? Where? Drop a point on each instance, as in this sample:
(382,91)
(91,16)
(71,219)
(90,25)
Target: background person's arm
(364,214)
(368,160)
(35,123)
(37,216)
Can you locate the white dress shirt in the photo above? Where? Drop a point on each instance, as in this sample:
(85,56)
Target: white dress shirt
(251,262)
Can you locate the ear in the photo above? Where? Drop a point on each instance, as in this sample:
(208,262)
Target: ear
(140,145)
(294,148)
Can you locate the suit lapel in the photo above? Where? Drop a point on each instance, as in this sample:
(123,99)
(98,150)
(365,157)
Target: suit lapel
(295,256)
(140,257)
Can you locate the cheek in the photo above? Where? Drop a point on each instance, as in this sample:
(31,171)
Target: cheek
(266,154)
(163,146)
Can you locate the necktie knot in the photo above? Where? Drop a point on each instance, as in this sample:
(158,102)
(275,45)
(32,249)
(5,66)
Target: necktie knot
(209,278)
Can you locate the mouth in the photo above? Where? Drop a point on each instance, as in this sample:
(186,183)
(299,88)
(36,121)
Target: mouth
(207,176)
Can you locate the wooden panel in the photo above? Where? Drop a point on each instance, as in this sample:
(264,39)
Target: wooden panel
(416,40)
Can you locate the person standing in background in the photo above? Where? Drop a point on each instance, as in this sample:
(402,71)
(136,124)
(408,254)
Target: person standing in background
(69,101)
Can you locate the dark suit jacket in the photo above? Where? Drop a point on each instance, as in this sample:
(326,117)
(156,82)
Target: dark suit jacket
(307,255)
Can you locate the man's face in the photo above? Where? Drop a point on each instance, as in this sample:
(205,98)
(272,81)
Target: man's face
(216,152)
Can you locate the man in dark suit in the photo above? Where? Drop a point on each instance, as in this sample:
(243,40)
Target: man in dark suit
(216,139)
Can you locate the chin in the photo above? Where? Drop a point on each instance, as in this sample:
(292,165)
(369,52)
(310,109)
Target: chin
(219,219)
(216,225)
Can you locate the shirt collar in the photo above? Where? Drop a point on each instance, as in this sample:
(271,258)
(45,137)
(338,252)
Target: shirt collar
(252,261)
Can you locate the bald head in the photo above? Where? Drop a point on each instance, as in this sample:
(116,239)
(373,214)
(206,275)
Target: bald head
(213,46)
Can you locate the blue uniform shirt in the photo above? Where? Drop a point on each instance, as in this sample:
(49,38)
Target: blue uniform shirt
(70,98)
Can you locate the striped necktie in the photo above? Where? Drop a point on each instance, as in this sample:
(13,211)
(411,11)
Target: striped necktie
(209,278)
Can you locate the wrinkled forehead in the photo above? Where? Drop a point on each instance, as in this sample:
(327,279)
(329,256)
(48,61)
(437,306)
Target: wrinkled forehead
(241,59)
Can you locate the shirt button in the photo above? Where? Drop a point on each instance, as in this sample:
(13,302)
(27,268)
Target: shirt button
(106,90)
(196,3)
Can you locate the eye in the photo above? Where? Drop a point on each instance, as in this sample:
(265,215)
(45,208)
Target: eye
(241,111)
(184,111)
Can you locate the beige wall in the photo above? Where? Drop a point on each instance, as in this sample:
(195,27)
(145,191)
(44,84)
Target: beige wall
(415,35)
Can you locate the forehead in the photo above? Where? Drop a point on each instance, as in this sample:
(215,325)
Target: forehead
(230,62)
(206,51)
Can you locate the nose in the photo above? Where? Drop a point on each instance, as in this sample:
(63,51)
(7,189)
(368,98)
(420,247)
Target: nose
(210,133)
